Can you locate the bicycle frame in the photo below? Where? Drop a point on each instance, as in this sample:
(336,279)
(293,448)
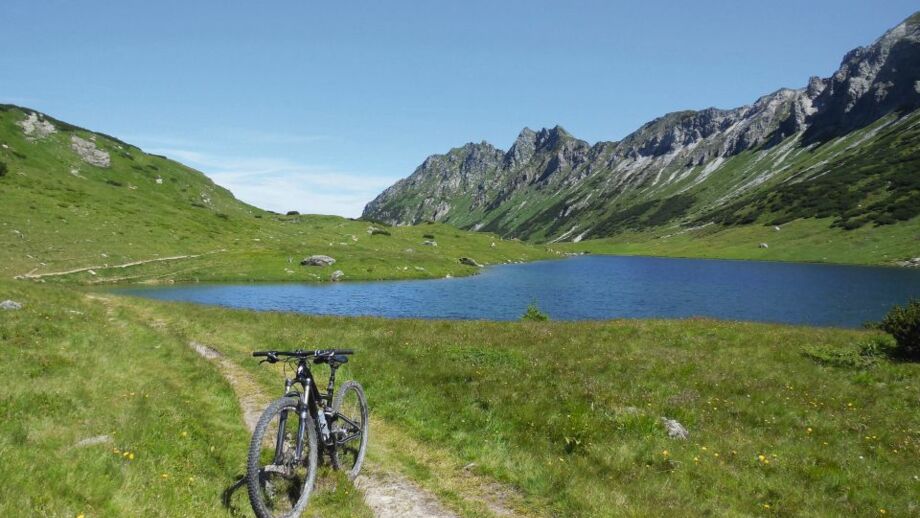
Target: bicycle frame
(311,403)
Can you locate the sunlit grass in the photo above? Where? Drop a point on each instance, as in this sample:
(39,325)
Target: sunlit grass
(568,414)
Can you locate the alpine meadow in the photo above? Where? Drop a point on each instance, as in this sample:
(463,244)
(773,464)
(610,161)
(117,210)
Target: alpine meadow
(140,270)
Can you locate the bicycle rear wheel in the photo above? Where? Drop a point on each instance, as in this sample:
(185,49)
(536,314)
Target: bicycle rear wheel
(279,481)
(349,428)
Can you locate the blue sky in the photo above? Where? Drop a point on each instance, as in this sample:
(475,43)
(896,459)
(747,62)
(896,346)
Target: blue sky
(317,106)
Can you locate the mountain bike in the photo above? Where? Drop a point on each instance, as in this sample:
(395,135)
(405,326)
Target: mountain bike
(302,429)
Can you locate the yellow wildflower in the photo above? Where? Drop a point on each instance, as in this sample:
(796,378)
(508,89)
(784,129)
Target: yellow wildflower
(131,456)
(665,453)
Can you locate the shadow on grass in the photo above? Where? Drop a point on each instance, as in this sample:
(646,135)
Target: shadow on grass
(228,493)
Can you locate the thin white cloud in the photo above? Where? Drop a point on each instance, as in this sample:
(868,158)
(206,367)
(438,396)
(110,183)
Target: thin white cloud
(282,185)
(227,136)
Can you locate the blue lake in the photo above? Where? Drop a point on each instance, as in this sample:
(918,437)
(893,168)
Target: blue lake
(593,287)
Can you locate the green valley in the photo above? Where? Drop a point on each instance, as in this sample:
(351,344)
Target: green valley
(62,213)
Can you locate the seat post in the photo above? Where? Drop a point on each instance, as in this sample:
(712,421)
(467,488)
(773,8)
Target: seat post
(333,366)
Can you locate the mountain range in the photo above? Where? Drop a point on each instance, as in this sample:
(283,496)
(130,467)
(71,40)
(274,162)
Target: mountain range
(843,149)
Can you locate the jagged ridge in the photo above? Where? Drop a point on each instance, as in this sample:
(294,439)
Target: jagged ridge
(688,166)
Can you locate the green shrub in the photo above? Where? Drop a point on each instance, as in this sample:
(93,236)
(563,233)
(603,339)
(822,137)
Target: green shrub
(861,356)
(903,323)
(3,169)
(428,236)
(293,213)
(533,314)
(379,232)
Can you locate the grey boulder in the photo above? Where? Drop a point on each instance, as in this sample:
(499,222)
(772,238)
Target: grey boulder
(470,262)
(318,260)
(675,429)
(10,305)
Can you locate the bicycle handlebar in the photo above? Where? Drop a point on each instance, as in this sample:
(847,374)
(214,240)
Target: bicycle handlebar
(273,355)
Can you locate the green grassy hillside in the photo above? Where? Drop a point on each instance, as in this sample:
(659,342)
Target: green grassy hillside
(564,416)
(60,213)
(807,240)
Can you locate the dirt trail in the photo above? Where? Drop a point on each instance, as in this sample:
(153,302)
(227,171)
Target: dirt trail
(252,403)
(389,495)
(33,276)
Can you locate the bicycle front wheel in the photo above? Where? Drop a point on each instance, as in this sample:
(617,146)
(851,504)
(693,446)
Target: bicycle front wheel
(279,478)
(349,428)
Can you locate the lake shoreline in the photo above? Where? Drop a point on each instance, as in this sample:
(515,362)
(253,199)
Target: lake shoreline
(586,288)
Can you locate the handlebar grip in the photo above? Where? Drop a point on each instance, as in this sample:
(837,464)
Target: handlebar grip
(345,351)
(260,353)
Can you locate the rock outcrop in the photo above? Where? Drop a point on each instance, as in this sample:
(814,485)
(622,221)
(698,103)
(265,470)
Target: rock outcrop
(35,127)
(89,153)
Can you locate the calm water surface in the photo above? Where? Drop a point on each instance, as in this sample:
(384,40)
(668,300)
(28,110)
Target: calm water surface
(593,287)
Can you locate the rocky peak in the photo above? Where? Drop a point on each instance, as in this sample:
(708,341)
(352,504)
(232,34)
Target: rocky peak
(530,142)
(548,139)
(522,149)
(815,86)
(871,82)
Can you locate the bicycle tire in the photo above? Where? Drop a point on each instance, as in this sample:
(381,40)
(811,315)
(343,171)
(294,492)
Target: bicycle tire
(253,465)
(338,459)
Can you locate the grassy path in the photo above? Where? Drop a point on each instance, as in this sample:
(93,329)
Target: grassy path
(387,491)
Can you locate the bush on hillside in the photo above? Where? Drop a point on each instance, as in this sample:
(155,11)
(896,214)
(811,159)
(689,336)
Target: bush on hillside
(533,314)
(903,323)
(3,169)
(293,213)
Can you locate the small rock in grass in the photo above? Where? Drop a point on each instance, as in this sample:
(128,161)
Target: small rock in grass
(318,260)
(10,305)
(430,242)
(763,245)
(675,429)
(337,276)
(92,441)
